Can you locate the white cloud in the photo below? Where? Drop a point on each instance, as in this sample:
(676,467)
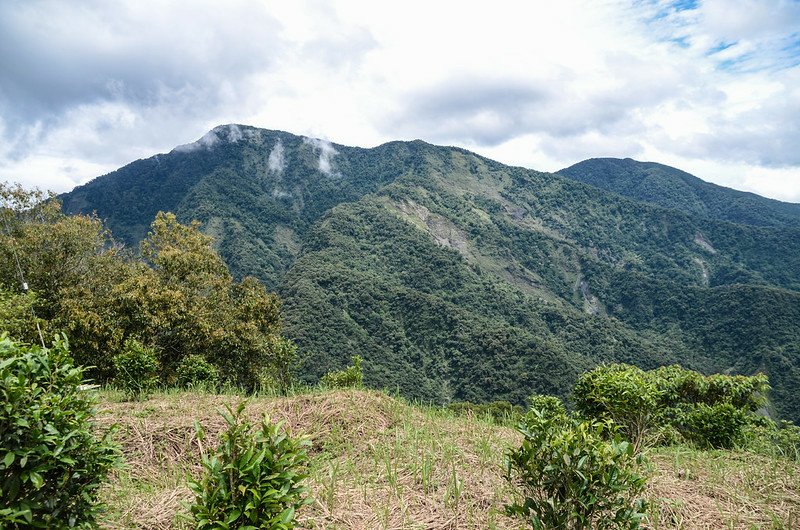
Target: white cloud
(712,85)
(276,160)
(326,154)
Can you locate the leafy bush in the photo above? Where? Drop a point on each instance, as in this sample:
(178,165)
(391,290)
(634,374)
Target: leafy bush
(350,377)
(548,406)
(622,393)
(136,370)
(773,439)
(194,371)
(679,386)
(276,376)
(718,426)
(253,479)
(672,404)
(51,462)
(573,474)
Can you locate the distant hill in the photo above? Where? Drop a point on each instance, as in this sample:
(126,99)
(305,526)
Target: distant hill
(673,188)
(459,278)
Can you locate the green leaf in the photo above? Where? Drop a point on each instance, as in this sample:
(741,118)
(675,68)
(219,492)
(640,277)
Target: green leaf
(36,479)
(287,515)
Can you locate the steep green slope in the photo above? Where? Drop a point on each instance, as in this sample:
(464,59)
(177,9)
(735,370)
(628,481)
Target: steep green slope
(676,189)
(544,280)
(430,323)
(457,277)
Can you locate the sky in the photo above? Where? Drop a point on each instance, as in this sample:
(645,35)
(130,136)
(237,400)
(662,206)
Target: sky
(711,87)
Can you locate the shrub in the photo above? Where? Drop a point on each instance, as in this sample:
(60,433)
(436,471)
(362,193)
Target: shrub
(253,479)
(622,393)
(773,439)
(275,377)
(194,371)
(51,462)
(572,474)
(672,404)
(680,386)
(350,377)
(136,370)
(718,426)
(547,406)
(283,354)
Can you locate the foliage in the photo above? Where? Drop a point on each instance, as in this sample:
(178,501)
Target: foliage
(572,474)
(547,406)
(253,480)
(136,370)
(188,303)
(52,250)
(621,393)
(678,385)
(776,439)
(718,426)
(672,402)
(177,298)
(277,376)
(52,462)
(194,370)
(350,377)
(17,317)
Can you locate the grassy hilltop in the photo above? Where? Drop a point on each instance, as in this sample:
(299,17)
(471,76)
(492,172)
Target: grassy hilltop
(380,463)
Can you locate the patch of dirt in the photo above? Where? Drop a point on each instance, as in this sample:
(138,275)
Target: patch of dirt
(700,239)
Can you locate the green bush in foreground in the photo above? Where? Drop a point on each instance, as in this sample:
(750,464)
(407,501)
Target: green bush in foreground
(136,370)
(253,479)
(51,462)
(575,475)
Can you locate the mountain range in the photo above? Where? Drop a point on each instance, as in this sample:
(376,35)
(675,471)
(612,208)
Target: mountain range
(456,277)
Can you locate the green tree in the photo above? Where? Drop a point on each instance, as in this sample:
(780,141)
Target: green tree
(17,317)
(177,297)
(49,250)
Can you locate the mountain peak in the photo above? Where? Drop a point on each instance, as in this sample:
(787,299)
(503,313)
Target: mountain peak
(672,188)
(230,133)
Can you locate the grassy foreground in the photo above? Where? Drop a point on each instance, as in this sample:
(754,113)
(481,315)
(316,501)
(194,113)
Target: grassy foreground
(379,463)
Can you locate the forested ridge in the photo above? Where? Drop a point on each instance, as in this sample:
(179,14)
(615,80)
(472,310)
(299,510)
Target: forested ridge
(458,278)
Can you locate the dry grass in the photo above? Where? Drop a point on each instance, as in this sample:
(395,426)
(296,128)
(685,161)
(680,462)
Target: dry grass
(722,489)
(377,463)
